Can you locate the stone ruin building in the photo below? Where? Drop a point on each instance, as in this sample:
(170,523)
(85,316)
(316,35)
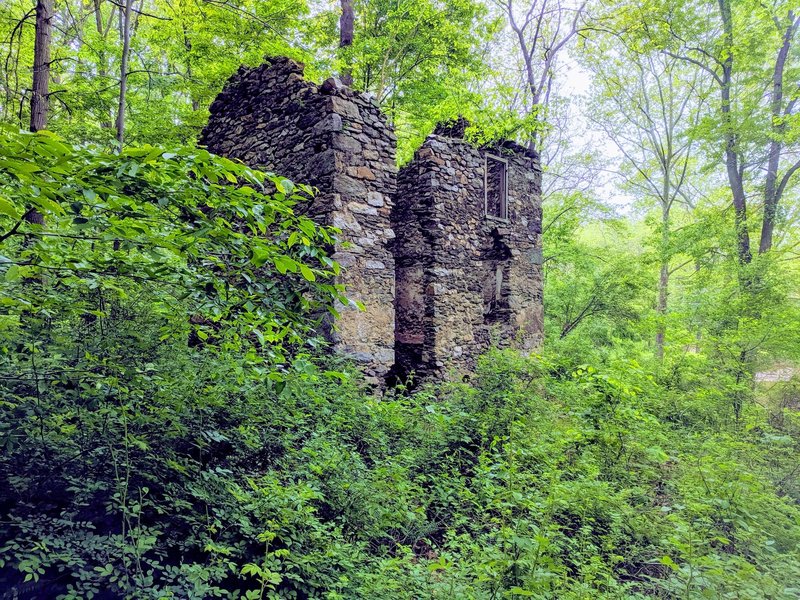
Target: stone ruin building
(445,254)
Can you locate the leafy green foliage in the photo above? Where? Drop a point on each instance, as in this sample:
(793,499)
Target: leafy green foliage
(539,481)
(182,53)
(125,279)
(195,232)
(169,430)
(419,58)
(165,433)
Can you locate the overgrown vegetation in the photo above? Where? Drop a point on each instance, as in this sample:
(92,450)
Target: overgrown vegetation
(169,427)
(167,431)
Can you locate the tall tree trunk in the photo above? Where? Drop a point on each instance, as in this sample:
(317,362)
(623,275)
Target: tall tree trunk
(346,25)
(739,199)
(102,65)
(41,65)
(41,80)
(731,153)
(125,27)
(771,193)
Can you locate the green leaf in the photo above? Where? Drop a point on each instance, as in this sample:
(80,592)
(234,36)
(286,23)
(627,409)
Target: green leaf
(13,273)
(284,263)
(260,256)
(307,273)
(284,186)
(47,205)
(7,208)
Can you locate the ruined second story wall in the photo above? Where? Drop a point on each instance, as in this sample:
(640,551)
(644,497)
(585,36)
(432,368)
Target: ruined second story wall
(336,139)
(466,280)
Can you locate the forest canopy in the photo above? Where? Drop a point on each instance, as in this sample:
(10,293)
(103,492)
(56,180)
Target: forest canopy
(172,424)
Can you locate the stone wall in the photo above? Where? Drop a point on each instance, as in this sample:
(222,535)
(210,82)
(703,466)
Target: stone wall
(465,281)
(336,139)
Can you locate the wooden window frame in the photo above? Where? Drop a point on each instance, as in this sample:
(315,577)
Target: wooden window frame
(504,196)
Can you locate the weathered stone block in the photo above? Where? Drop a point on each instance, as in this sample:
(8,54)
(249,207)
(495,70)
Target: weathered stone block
(347,143)
(343,107)
(350,187)
(362,209)
(345,221)
(375,199)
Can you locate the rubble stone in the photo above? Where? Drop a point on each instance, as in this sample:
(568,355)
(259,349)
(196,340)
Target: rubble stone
(271,118)
(441,282)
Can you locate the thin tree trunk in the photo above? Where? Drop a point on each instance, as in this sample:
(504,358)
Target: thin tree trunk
(771,194)
(661,308)
(663,279)
(123,76)
(187,43)
(102,64)
(41,65)
(346,25)
(731,155)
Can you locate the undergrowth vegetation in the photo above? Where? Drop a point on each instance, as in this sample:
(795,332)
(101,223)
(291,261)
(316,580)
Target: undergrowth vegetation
(541,480)
(169,430)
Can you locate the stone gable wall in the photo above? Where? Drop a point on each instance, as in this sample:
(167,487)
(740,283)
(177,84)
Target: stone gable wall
(452,260)
(337,140)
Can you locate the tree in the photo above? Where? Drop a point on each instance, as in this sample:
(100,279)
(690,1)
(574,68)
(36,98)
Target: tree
(595,285)
(102,29)
(179,55)
(40,92)
(346,23)
(780,112)
(126,12)
(648,104)
(418,58)
(750,51)
(41,65)
(542,30)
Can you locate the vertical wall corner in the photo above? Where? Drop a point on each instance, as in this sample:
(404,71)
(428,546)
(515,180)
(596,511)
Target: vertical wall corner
(337,140)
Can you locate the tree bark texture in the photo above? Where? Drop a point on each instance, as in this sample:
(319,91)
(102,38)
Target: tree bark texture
(123,75)
(346,25)
(732,167)
(41,65)
(772,190)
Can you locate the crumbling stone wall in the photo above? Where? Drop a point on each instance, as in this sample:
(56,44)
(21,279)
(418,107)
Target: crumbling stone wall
(465,281)
(336,139)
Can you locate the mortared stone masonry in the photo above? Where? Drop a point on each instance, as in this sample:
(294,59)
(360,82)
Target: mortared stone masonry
(463,255)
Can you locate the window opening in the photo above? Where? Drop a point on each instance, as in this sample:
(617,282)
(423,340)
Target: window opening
(496,187)
(495,303)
